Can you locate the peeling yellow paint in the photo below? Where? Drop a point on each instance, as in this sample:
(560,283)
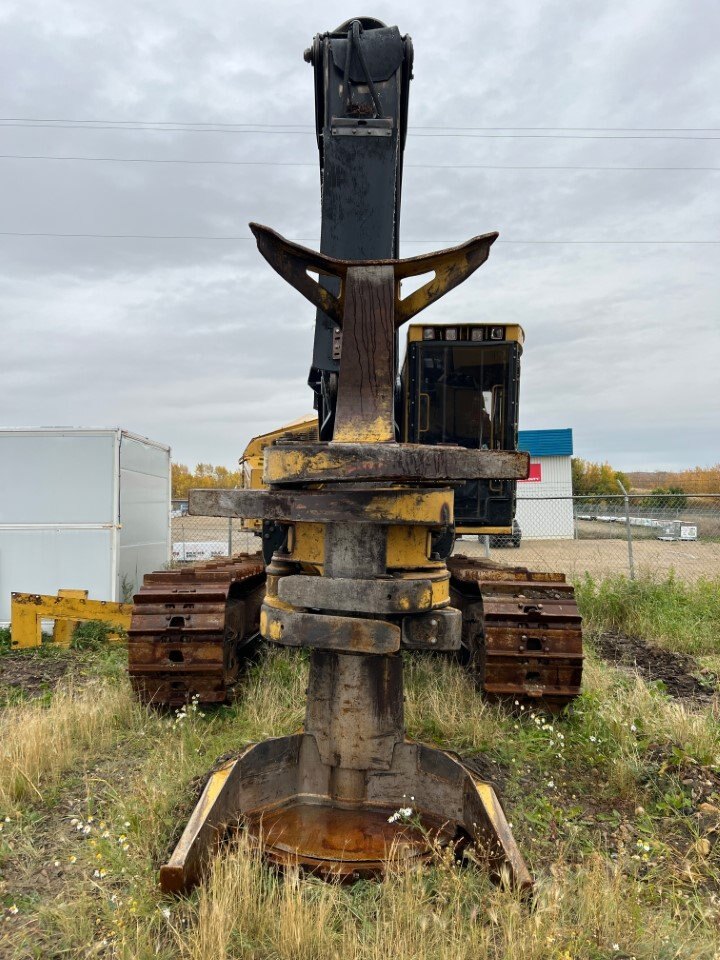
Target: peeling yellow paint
(379,430)
(407,547)
(309,543)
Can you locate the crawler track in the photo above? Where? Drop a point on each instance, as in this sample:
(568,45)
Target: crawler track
(192,628)
(521,631)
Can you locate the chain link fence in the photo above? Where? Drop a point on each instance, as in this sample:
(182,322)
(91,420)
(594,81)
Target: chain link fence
(195,539)
(638,535)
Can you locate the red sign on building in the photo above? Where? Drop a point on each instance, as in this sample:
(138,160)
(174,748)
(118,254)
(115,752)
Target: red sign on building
(535,474)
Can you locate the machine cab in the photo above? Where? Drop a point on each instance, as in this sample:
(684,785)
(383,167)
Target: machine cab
(460,386)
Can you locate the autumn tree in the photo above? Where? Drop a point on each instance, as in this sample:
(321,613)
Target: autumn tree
(204,475)
(596,479)
(699,479)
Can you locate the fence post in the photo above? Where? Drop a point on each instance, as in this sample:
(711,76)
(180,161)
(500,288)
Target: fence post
(486,546)
(628,530)
(229,536)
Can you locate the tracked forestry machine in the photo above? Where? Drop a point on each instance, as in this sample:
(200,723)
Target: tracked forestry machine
(358,512)
(361,502)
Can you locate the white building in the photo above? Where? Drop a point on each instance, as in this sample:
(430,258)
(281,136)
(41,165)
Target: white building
(540,514)
(83,509)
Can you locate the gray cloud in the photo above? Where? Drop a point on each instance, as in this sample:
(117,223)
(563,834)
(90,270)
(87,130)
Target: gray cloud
(199,344)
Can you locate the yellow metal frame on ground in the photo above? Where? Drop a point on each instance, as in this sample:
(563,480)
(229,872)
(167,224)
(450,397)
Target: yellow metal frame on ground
(28,610)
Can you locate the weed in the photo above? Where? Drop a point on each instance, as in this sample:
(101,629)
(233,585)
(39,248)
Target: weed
(94,634)
(681,615)
(127,588)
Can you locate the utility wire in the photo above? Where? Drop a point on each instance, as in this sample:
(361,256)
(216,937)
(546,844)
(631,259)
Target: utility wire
(218,123)
(440,133)
(294,163)
(159,236)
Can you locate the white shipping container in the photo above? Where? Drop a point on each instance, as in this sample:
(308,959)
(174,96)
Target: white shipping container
(81,508)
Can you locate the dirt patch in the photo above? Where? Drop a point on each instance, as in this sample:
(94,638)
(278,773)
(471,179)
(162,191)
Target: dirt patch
(32,675)
(677,671)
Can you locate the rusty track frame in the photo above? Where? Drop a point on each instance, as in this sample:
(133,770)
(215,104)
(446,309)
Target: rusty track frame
(191,630)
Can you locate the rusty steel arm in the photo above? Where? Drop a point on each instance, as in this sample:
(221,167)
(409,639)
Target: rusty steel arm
(292,261)
(450,268)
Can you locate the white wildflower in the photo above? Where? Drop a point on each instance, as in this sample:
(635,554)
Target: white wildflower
(402,814)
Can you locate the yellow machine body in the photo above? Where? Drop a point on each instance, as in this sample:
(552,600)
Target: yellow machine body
(404,546)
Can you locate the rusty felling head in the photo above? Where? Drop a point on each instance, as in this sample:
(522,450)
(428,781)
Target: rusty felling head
(450,267)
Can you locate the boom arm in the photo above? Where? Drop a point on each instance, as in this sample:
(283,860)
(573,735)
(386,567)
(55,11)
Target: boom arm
(362,79)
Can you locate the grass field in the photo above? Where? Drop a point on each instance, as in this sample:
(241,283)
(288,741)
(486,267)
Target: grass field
(616,807)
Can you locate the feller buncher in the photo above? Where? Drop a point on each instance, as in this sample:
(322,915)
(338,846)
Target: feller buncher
(455,399)
(358,513)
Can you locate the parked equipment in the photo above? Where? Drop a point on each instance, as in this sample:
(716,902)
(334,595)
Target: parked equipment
(499,540)
(458,386)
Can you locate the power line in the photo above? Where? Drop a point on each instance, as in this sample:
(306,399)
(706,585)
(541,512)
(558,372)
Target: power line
(294,163)
(440,133)
(229,163)
(160,236)
(219,123)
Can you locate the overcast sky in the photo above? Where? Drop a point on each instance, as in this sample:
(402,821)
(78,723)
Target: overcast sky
(199,344)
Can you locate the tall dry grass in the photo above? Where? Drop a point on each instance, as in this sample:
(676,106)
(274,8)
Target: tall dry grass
(40,742)
(584,912)
(442,705)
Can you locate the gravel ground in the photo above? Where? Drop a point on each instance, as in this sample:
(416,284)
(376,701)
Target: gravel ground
(689,561)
